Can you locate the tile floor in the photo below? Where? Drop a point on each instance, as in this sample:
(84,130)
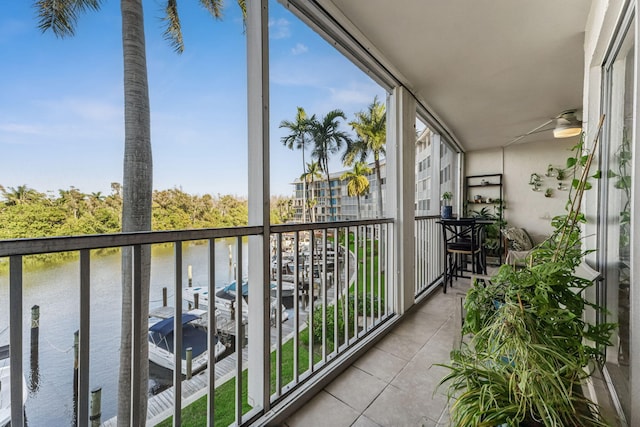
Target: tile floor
(394,383)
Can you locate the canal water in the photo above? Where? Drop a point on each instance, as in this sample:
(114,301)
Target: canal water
(55,289)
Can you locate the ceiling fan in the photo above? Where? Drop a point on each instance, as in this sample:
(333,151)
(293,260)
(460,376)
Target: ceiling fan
(567,124)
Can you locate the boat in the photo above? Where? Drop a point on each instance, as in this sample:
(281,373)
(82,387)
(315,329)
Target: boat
(225,298)
(5,387)
(161,351)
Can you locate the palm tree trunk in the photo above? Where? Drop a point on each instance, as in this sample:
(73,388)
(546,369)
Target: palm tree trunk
(136,210)
(358,198)
(377,162)
(313,197)
(304,188)
(326,168)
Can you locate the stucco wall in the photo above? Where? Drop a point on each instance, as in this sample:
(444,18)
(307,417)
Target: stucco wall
(526,208)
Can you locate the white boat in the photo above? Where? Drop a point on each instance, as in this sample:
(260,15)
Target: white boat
(5,387)
(193,335)
(225,299)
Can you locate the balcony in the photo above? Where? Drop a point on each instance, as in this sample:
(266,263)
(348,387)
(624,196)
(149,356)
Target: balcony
(495,94)
(395,382)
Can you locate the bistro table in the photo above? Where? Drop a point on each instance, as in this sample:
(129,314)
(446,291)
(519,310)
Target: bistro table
(463,238)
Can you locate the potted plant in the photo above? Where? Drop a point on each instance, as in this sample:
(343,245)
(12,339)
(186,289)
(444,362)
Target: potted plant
(447,210)
(529,346)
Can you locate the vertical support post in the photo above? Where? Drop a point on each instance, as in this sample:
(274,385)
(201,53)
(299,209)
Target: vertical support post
(239,337)
(400,167)
(136,345)
(259,194)
(177,337)
(190,275)
(96,407)
(83,348)
(196,300)
(15,339)
(212,330)
(76,345)
(164,296)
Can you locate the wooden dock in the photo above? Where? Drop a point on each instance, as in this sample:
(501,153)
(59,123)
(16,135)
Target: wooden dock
(160,406)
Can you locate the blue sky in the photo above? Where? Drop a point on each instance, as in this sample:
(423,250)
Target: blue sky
(61,108)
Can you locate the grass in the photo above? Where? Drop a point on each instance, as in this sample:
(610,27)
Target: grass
(195,414)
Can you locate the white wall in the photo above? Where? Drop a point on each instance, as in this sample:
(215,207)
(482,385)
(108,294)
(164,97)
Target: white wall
(526,208)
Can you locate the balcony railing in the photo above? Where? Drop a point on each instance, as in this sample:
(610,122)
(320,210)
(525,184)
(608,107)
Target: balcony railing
(337,275)
(428,254)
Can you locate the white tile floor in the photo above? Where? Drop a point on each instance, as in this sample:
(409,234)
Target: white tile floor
(394,383)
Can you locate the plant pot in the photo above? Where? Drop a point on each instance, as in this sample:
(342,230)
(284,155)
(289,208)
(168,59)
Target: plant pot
(446,212)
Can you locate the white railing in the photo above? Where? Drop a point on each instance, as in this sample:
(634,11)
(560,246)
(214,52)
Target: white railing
(428,254)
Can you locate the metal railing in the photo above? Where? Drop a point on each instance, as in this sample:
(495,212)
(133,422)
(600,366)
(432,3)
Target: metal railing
(428,254)
(339,271)
(336,275)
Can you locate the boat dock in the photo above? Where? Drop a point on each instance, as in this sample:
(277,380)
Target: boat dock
(160,406)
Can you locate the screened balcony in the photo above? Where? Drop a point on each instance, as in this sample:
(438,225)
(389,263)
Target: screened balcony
(488,78)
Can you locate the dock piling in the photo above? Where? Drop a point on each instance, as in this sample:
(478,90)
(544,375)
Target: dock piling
(189,362)
(35,317)
(190,274)
(96,407)
(164,296)
(196,300)
(34,379)
(76,341)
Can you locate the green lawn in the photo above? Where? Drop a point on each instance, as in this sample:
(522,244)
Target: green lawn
(195,414)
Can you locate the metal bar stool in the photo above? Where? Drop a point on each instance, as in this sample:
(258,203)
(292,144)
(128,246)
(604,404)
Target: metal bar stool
(463,238)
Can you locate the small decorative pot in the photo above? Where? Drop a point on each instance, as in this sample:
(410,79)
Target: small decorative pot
(446,212)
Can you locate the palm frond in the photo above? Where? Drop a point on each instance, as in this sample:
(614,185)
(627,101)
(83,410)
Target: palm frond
(60,16)
(173,31)
(215,7)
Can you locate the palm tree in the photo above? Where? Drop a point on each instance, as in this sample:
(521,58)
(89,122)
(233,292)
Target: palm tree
(357,181)
(313,172)
(371,128)
(71,199)
(328,139)
(300,131)
(20,195)
(60,17)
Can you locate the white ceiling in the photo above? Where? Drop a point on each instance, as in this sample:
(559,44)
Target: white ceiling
(491,70)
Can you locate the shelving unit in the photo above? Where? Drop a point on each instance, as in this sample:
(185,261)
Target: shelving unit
(484,198)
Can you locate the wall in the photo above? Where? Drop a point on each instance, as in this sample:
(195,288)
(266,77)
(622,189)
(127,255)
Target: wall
(526,208)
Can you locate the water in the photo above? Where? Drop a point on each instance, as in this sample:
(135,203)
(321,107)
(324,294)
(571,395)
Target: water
(56,291)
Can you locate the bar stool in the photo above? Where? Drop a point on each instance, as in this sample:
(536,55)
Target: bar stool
(463,238)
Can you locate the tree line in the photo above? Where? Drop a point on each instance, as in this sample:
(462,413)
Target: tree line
(27,213)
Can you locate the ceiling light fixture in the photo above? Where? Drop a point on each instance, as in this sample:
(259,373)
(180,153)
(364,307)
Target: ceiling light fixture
(567,125)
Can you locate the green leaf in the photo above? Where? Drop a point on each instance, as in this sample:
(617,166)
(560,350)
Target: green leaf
(571,162)
(598,174)
(611,174)
(575,183)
